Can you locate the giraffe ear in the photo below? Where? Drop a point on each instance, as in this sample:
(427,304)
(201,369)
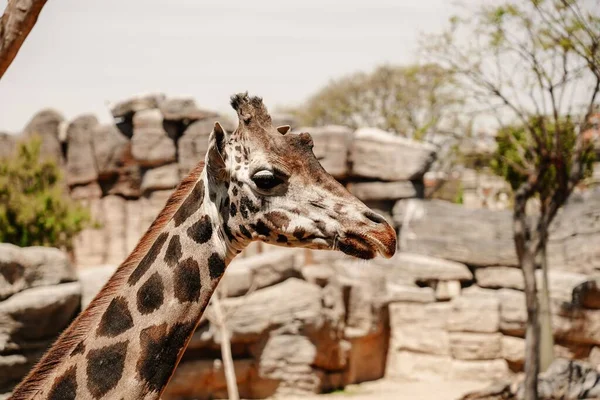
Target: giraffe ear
(215,156)
(283,129)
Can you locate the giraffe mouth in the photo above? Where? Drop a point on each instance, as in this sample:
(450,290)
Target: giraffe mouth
(366,246)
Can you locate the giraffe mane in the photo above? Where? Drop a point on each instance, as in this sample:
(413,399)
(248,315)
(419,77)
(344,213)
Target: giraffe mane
(81,326)
(250,109)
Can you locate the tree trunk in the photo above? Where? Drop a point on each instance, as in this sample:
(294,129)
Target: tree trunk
(532,337)
(228,366)
(546,335)
(19,18)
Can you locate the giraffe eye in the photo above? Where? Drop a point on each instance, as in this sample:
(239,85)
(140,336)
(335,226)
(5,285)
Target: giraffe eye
(266,180)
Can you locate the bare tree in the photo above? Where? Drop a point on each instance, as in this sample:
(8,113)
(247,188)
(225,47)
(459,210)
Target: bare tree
(17,21)
(535,64)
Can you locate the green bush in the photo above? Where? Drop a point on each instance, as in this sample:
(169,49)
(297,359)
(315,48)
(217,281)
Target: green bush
(35,209)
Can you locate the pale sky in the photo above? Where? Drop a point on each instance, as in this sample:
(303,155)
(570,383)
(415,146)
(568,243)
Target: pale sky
(81,55)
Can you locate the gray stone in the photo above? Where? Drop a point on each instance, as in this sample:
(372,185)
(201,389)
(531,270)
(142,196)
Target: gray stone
(81,165)
(183,109)
(413,338)
(160,178)
(258,272)
(476,346)
(499,277)
(24,268)
(449,231)
(92,279)
(381,155)
(86,192)
(152,147)
(475,311)
(194,144)
(135,104)
(447,290)
(422,268)
(384,190)
(37,314)
(406,293)
(46,125)
(331,146)
(111,150)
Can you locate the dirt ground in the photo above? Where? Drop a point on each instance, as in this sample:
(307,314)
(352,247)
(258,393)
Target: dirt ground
(398,390)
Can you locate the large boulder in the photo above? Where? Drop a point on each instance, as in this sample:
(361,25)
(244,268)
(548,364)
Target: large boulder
(370,191)
(422,268)
(47,125)
(81,165)
(151,146)
(24,268)
(449,231)
(110,150)
(138,103)
(381,155)
(160,178)
(331,146)
(183,109)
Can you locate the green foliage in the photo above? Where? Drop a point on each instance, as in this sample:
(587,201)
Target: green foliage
(34,206)
(412,101)
(514,153)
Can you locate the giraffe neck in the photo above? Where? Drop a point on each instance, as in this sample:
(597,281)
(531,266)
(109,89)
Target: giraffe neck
(134,333)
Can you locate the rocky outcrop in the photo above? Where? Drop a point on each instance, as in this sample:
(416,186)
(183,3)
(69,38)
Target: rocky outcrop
(38,299)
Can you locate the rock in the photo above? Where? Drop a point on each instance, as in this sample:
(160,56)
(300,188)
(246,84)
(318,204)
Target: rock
(428,316)
(367,355)
(136,104)
(447,290)
(183,109)
(406,293)
(114,213)
(13,367)
(385,190)
(127,182)
(194,144)
(37,314)
(160,178)
(416,366)
(150,144)
(475,311)
(81,166)
(449,231)
(111,150)
(25,268)
(412,338)
(561,283)
(151,205)
(513,351)
(422,268)
(8,144)
(381,155)
(476,346)
(46,124)
(318,274)
(92,279)
(89,246)
(499,277)
(86,192)
(484,370)
(135,227)
(258,272)
(331,146)
(512,312)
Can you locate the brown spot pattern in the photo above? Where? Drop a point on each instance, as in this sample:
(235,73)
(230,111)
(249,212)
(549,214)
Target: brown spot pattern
(190,205)
(201,231)
(278,219)
(105,368)
(151,294)
(148,259)
(216,265)
(65,386)
(187,281)
(173,253)
(116,319)
(160,352)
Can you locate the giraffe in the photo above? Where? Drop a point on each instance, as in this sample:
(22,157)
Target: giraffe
(258,183)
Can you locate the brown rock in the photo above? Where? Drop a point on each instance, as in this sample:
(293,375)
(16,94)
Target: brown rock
(81,165)
(183,109)
(111,149)
(28,267)
(476,346)
(46,124)
(135,104)
(381,155)
(385,190)
(160,178)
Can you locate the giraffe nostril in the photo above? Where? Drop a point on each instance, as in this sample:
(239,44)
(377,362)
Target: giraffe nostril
(371,216)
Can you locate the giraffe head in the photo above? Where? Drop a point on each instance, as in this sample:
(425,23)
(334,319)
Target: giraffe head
(269,186)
